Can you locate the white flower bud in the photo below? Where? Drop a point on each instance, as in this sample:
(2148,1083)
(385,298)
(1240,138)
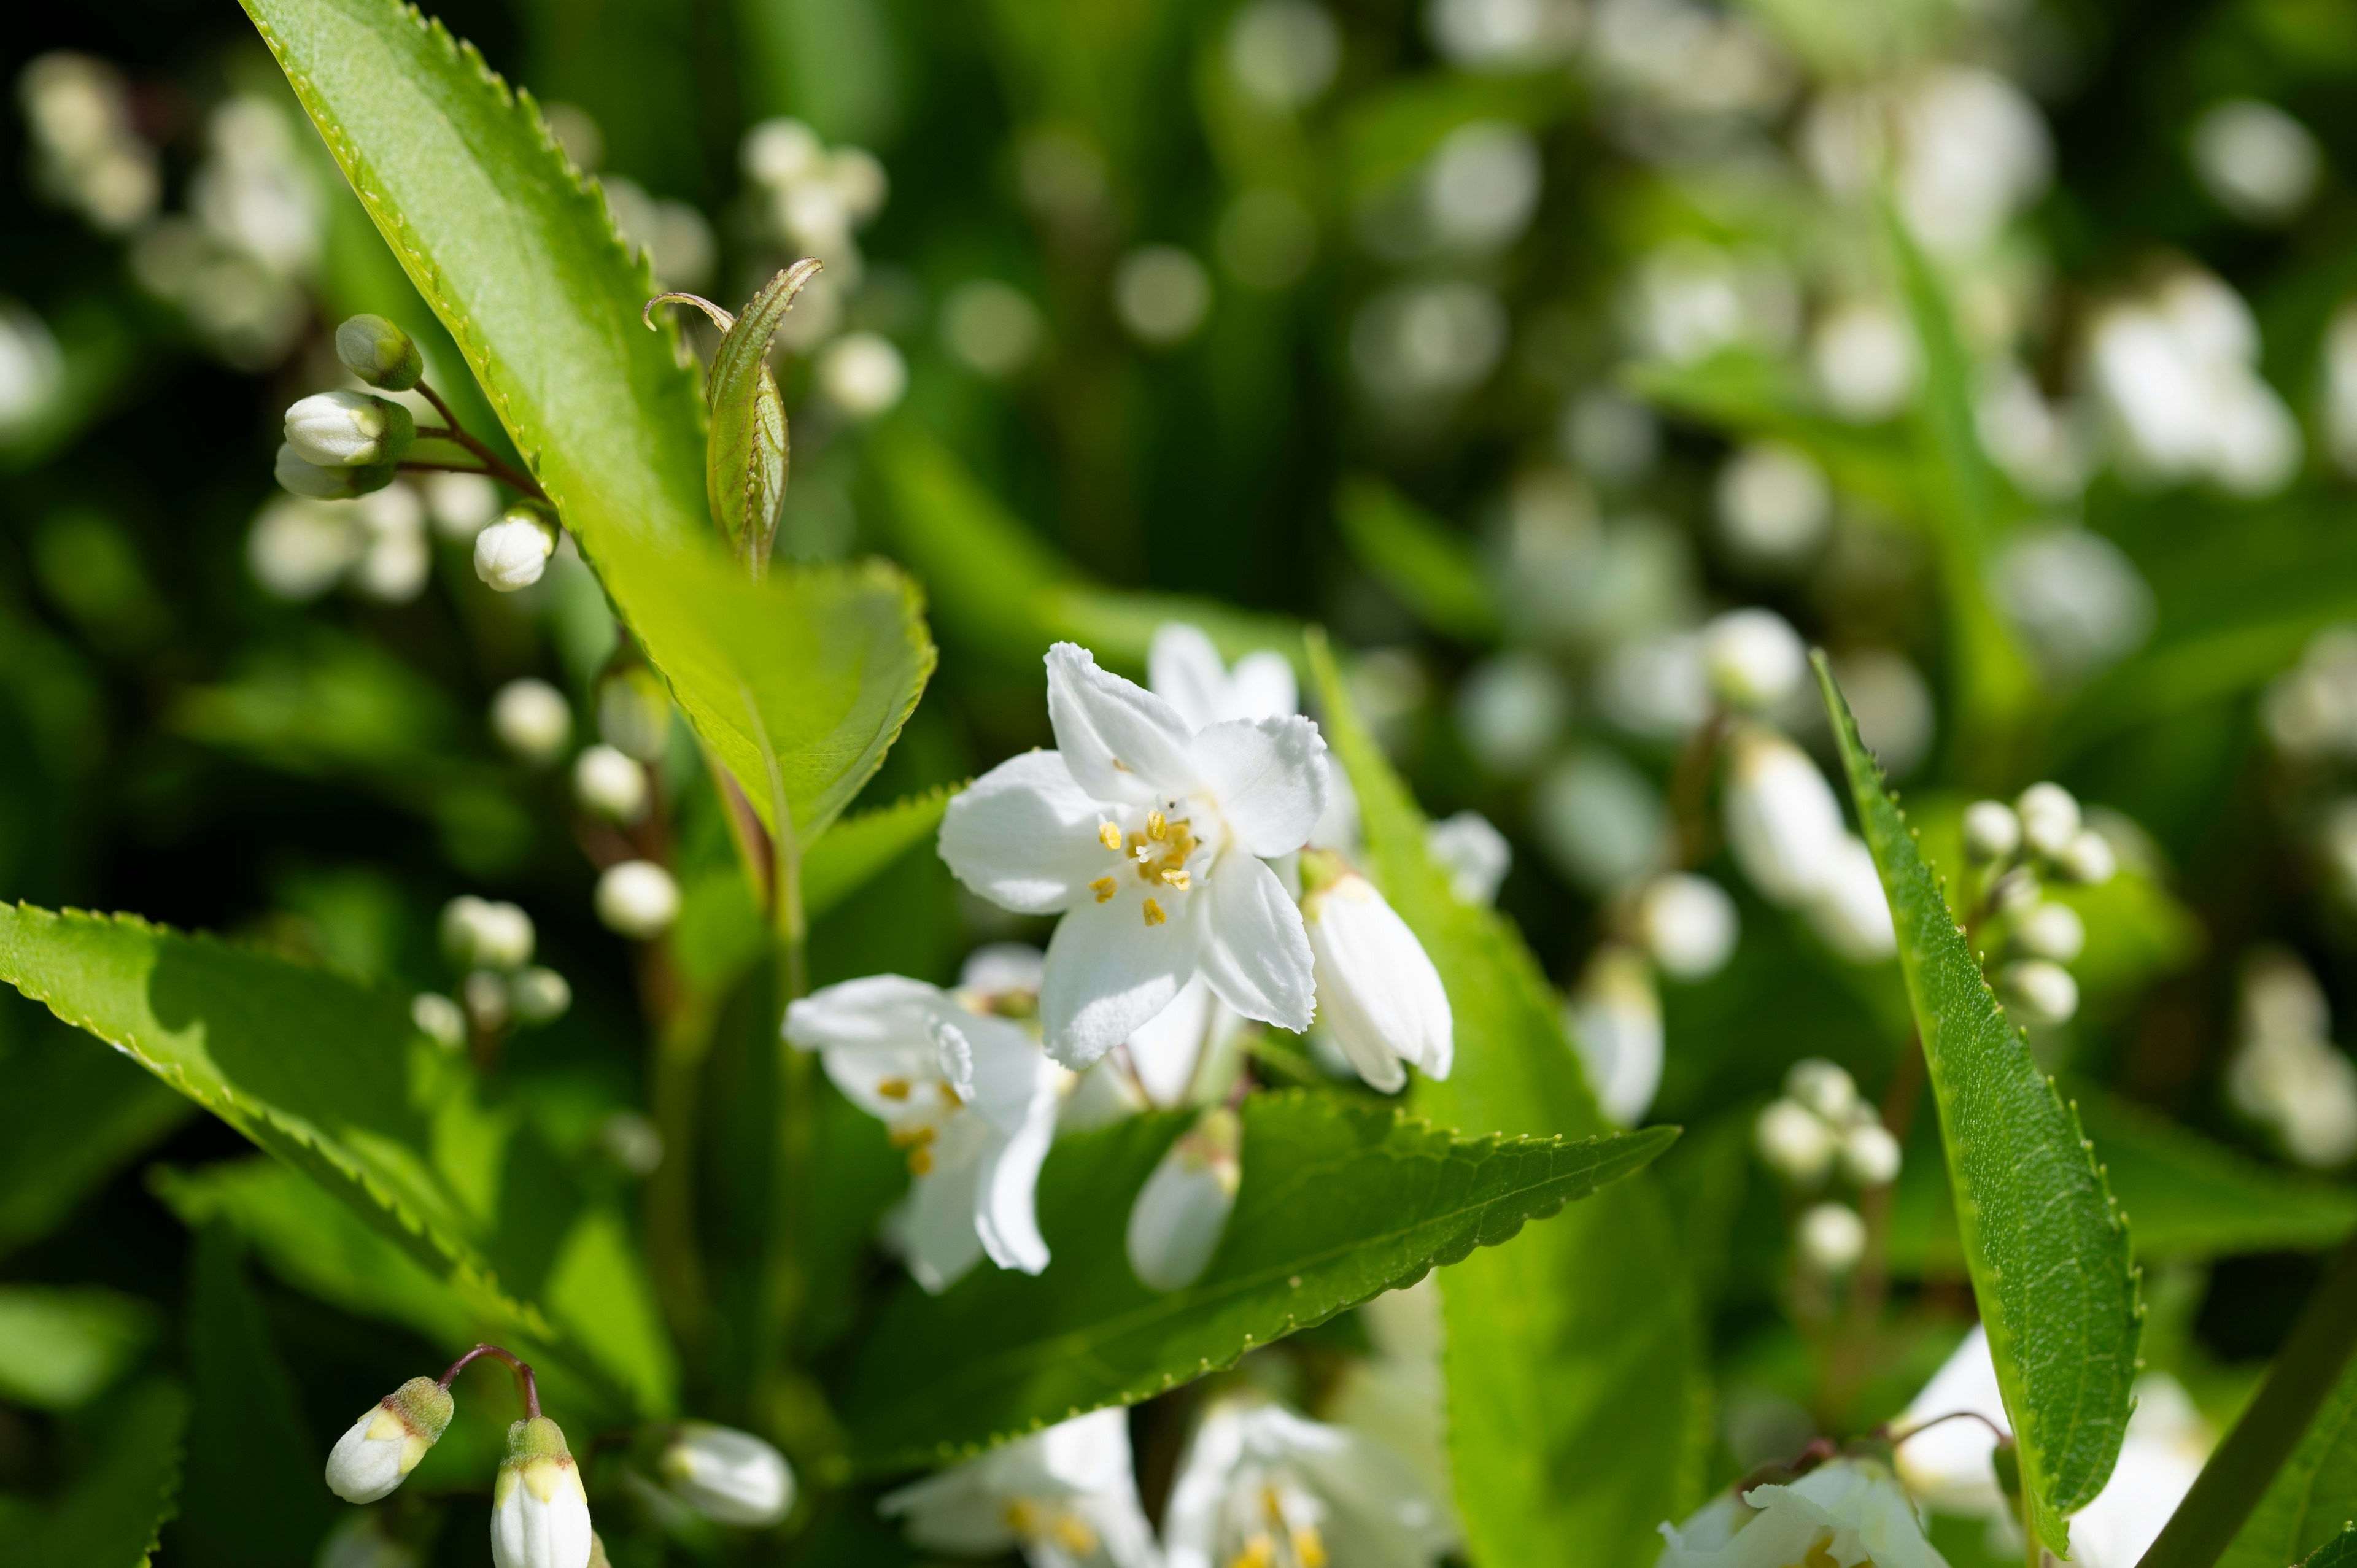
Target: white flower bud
(2050,930)
(2089,858)
(479,934)
(1992,832)
(1182,1210)
(1871,1156)
(2050,819)
(863,374)
(634,712)
(379,353)
(637,899)
(728,1475)
(381,1447)
(302,477)
(1783,825)
(298,549)
(512,552)
(1794,1142)
(1615,1022)
(1774,506)
(1754,658)
(1688,924)
(1832,1239)
(1474,852)
(610,784)
(539,996)
(1849,911)
(1377,990)
(349,430)
(1825,1088)
(539,1515)
(2039,991)
(532,719)
(462,505)
(633,1141)
(485,992)
(438,1019)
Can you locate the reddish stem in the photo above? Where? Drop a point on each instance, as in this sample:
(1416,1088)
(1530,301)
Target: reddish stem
(523,1371)
(452,431)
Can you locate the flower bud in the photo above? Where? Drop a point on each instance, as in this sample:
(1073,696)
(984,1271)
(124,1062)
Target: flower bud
(512,552)
(303,478)
(485,992)
(1378,993)
(539,996)
(1754,658)
(1688,924)
(1782,822)
(1616,1023)
(2050,930)
(1871,1156)
(379,353)
(1849,911)
(386,1443)
(349,430)
(539,1515)
(2039,991)
(728,1475)
(2090,859)
(1473,853)
(532,719)
(863,374)
(1182,1210)
(634,712)
(637,899)
(1832,1239)
(438,1019)
(479,934)
(2050,819)
(1825,1088)
(1794,1142)
(1992,832)
(610,784)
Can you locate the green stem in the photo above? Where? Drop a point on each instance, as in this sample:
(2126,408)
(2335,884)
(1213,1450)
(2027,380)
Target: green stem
(2306,1369)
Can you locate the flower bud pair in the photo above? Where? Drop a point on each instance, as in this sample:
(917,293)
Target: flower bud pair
(379,1450)
(349,430)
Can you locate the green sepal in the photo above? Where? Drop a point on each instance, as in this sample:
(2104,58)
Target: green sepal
(532,1438)
(423,1406)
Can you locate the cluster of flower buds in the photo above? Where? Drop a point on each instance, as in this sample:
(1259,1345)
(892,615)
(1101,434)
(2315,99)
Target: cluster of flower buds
(2286,1073)
(2014,849)
(341,445)
(491,945)
(1818,1126)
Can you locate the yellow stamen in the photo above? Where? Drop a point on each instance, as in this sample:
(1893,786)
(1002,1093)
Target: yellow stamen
(893,1088)
(1109,836)
(1023,1518)
(1175,876)
(1153,916)
(1105,887)
(1311,1547)
(1158,827)
(905,1137)
(920,1161)
(1074,1532)
(1260,1551)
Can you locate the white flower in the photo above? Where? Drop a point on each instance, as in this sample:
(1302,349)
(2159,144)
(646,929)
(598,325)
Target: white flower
(728,1475)
(2039,991)
(1377,990)
(2050,819)
(349,430)
(1871,1156)
(532,719)
(1782,822)
(1849,1512)
(1185,670)
(381,1447)
(1260,1485)
(1615,1022)
(1831,1238)
(1182,1210)
(539,996)
(1754,658)
(970,1096)
(2050,931)
(1065,1498)
(610,783)
(479,934)
(1470,849)
(863,374)
(512,552)
(438,1019)
(1795,1141)
(1992,832)
(540,1516)
(1848,909)
(637,899)
(1688,924)
(1151,837)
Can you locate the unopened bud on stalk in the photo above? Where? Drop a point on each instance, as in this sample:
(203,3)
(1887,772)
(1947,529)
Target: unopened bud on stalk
(610,784)
(379,353)
(479,934)
(1182,1210)
(539,1515)
(1377,990)
(634,712)
(386,1443)
(303,478)
(438,1019)
(349,430)
(1832,1239)
(1871,1156)
(2039,991)
(532,719)
(2050,819)
(1688,924)
(539,996)
(1824,1087)
(512,552)
(726,1475)
(2090,859)
(1992,832)
(637,899)
(1794,1142)
(1754,658)
(2051,932)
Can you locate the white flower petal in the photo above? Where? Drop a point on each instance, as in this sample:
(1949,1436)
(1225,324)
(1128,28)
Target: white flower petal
(935,1233)
(1120,740)
(1262,686)
(1269,778)
(1006,1182)
(1024,835)
(1251,947)
(1185,670)
(1164,1050)
(1108,973)
(996,1067)
(878,1011)
(1377,990)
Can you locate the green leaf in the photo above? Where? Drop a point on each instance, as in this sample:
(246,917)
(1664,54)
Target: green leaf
(1578,1414)
(1340,1201)
(71,1117)
(1427,566)
(2047,1249)
(61,1349)
(2340,1552)
(110,1516)
(860,846)
(2310,1504)
(744,462)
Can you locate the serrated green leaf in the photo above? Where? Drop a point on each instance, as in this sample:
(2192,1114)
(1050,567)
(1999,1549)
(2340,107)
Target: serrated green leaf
(62,1348)
(2309,1505)
(1340,1202)
(1429,568)
(2340,1552)
(862,845)
(2046,1247)
(1579,1405)
(110,1516)
(746,459)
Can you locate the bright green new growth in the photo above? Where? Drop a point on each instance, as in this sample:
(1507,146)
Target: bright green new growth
(380,353)
(536,1438)
(2046,1248)
(425,1406)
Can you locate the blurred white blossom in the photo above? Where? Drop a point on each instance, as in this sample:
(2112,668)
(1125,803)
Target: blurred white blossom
(2176,375)
(2255,160)
(2075,596)
(1161,294)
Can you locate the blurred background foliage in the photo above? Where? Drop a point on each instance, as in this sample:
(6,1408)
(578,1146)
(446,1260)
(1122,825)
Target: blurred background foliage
(2003,347)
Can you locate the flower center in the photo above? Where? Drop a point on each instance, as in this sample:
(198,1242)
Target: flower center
(1036,1524)
(1156,854)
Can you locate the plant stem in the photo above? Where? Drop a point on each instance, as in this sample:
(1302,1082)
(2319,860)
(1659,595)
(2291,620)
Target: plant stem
(521,1368)
(452,431)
